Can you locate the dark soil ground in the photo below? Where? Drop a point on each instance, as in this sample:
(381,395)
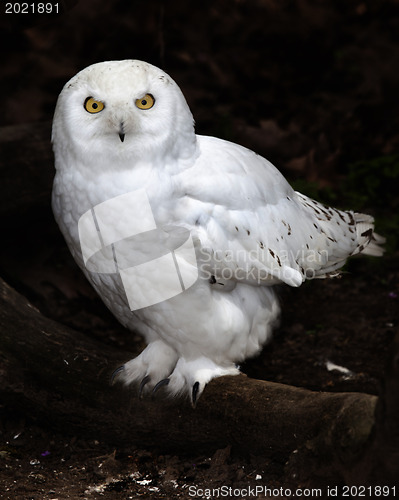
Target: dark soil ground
(312,86)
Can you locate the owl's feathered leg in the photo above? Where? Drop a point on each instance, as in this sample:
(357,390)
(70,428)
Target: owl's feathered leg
(149,369)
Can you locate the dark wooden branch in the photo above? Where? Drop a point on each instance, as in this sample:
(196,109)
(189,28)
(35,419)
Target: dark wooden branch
(62,376)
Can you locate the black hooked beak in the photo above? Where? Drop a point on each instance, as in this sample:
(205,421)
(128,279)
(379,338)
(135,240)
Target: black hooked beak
(121,133)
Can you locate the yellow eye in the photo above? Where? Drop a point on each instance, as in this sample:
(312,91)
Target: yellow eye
(145,102)
(93,106)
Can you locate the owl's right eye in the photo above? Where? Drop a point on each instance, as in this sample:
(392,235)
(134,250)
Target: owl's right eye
(91,105)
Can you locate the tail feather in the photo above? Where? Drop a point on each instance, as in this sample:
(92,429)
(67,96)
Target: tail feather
(369,242)
(341,234)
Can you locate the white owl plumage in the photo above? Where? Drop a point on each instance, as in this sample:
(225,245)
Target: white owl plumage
(124,126)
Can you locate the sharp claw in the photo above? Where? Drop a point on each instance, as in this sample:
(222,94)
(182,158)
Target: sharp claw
(116,373)
(194,394)
(160,384)
(145,381)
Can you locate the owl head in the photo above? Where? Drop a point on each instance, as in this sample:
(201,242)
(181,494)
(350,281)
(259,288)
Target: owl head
(122,110)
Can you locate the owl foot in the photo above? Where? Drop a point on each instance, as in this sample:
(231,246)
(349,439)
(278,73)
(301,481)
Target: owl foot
(155,363)
(191,377)
(159,366)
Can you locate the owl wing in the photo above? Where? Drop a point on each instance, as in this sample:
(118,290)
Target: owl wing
(253,227)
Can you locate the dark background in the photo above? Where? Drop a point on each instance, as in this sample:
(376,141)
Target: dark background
(312,85)
(288,78)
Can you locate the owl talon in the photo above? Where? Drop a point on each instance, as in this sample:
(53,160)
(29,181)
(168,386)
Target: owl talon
(145,381)
(160,384)
(194,394)
(116,373)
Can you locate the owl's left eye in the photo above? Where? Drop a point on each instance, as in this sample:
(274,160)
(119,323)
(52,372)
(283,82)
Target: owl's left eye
(145,102)
(91,105)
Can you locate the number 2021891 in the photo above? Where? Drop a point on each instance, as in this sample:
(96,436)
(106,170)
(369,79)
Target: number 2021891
(31,8)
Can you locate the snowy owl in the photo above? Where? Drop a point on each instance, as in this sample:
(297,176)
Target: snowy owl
(183,236)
